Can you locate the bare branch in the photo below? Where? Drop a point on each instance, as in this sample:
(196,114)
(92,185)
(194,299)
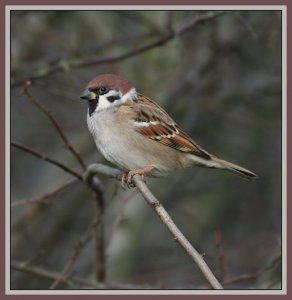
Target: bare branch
(94,183)
(165,218)
(254,275)
(74,281)
(240,278)
(221,255)
(92,62)
(44,199)
(93,169)
(177,234)
(44,157)
(55,123)
(71,282)
(139,20)
(200,20)
(75,254)
(100,270)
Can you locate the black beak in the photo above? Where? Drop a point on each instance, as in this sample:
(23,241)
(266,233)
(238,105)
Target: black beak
(87,95)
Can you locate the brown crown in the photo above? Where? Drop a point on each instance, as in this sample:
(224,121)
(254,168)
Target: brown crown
(111,81)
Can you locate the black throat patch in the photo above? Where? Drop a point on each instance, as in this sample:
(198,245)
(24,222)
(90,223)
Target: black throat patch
(92,104)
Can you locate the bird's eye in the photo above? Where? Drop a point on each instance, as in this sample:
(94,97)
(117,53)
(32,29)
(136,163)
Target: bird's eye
(102,90)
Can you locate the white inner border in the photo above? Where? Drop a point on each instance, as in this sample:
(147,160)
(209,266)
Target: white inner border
(283,8)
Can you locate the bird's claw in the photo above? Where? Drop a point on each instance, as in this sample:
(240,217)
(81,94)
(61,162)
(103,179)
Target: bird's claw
(126,180)
(127,177)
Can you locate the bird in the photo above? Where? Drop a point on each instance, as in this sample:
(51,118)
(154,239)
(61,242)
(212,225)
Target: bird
(134,133)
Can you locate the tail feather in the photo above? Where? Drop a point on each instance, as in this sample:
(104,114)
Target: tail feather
(222,164)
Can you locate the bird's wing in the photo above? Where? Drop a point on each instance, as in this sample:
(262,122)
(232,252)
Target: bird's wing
(153,122)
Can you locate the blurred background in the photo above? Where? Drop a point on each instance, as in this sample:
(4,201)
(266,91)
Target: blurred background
(221,82)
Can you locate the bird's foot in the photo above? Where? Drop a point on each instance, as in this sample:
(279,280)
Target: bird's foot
(127,177)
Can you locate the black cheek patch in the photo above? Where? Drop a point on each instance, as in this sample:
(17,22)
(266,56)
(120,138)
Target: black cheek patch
(113,98)
(92,106)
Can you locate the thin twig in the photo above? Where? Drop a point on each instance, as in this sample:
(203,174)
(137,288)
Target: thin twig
(94,183)
(81,63)
(140,19)
(243,277)
(72,282)
(45,198)
(166,219)
(100,269)
(59,62)
(55,123)
(198,20)
(75,254)
(255,275)
(221,255)
(44,157)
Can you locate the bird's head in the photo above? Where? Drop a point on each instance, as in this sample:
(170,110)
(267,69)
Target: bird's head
(107,91)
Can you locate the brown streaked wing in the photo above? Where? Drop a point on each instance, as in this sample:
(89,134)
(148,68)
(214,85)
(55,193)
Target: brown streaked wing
(162,128)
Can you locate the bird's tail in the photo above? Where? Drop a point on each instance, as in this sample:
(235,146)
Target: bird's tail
(215,162)
(222,164)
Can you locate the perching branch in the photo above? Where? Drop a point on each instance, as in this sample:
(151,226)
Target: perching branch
(55,123)
(163,215)
(177,234)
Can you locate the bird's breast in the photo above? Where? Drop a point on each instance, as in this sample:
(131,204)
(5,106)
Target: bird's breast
(119,143)
(112,137)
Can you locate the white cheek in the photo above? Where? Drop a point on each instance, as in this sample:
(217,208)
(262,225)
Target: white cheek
(103,103)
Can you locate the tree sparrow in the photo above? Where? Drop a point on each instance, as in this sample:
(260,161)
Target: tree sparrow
(137,135)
